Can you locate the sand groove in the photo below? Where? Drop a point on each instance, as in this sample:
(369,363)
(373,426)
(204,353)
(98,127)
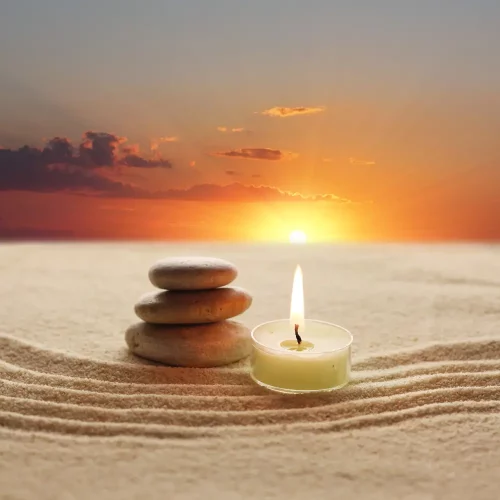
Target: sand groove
(224,403)
(49,391)
(66,426)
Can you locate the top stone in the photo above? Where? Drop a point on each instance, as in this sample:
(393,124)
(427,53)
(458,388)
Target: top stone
(192,273)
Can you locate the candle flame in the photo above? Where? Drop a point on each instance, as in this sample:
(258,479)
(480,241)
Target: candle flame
(297,304)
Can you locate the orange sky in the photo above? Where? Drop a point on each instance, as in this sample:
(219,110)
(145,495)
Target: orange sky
(236,187)
(28,215)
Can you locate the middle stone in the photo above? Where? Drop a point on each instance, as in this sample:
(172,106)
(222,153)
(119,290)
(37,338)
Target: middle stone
(206,306)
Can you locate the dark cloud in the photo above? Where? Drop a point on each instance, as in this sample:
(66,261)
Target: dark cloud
(133,160)
(59,166)
(256,176)
(257,154)
(58,150)
(26,169)
(27,173)
(99,149)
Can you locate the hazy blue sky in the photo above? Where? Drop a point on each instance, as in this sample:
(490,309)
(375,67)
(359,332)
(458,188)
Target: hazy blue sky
(170,58)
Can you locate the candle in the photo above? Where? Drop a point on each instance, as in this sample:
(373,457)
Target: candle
(300,355)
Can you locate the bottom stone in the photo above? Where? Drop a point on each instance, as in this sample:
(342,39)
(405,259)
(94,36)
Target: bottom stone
(197,346)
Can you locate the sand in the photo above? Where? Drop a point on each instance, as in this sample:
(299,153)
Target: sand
(81,418)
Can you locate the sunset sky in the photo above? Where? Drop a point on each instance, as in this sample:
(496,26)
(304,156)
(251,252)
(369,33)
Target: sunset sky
(245,120)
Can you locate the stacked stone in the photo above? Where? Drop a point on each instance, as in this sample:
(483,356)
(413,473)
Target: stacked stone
(187,322)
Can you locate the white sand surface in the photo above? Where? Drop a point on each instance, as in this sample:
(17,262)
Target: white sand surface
(81,418)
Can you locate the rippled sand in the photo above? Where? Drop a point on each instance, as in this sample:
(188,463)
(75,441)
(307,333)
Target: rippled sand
(420,419)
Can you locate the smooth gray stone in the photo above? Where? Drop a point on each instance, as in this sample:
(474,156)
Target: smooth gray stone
(204,306)
(197,346)
(192,273)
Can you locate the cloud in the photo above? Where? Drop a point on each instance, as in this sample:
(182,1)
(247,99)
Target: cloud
(133,159)
(139,162)
(237,192)
(326,160)
(192,163)
(59,166)
(355,161)
(26,169)
(96,150)
(130,149)
(155,143)
(234,130)
(257,154)
(32,175)
(285,112)
(256,176)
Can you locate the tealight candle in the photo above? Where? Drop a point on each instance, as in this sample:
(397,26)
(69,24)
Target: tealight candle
(300,355)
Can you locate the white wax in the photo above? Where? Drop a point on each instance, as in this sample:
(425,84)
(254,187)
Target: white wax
(322,362)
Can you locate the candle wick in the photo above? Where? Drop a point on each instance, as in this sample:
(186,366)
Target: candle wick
(297,336)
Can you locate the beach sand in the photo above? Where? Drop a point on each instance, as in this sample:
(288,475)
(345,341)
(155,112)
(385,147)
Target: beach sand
(81,418)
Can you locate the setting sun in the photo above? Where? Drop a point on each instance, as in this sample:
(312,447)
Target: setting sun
(298,237)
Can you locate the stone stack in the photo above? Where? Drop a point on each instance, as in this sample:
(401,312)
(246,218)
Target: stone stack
(187,322)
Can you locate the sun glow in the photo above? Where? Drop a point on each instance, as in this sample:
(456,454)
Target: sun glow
(298,237)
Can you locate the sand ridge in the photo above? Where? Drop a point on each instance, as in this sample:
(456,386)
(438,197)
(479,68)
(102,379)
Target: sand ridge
(47,391)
